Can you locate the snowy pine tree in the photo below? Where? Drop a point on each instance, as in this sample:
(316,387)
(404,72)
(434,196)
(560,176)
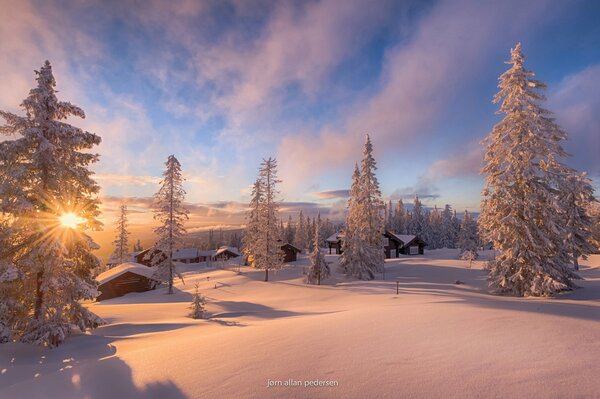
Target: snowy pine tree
(576,193)
(520,210)
(252,231)
(268,255)
(417,219)
(47,200)
(449,231)
(289,231)
(137,247)
(198,306)
(363,244)
(467,237)
(400,221)
(301,237)
(319,269)
(171,214)
(121,243)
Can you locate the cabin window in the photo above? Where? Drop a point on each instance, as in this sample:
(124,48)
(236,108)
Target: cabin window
(413,250)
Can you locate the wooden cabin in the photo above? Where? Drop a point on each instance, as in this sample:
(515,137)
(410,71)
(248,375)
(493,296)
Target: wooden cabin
(411,244)
(124,279)
(290,252)
(146,257)
(393,244)
(335,242)
(187,255)
(226,253)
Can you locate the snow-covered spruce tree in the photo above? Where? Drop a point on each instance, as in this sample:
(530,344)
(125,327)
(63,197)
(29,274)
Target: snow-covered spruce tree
(289,231)
(171,215)
(400,218)
(467,238)
(351,228)
(389,216)
(48,199)
(121,243)
(521,214)
(252,230)
(137,247)
(417,218)
(319,269)
(449,233)
(301,237)
(269,255)
(593,211)
(365,223)
(576,193)
(198,306)
(434,240)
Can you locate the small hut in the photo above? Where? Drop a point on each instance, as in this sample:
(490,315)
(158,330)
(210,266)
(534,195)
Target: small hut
(335,242)
(187,255)
(226,253)
(290,252)
(125,278)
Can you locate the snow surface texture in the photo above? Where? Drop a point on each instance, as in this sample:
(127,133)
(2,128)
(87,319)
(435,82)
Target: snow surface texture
(436,339)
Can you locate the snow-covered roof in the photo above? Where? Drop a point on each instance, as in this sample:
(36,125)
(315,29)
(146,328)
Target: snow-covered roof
(123,268)
(209,252)
(291,245)
(335,237)
(405,238)
(186,253)
(233,250)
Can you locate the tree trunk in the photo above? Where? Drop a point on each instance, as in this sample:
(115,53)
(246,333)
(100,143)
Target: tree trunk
(39,294)
(575,261)
(267,274)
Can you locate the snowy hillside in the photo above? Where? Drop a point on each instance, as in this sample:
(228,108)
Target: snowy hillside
(435,339)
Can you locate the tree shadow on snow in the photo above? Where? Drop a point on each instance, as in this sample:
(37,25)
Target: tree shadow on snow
(123,330)
(439,281)
(233,309)
(83,367)
(157,295)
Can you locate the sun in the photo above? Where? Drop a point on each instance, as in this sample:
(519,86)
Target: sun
(70,220)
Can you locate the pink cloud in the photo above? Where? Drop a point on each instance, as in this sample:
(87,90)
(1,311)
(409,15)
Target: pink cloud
(576,104)
(419,78)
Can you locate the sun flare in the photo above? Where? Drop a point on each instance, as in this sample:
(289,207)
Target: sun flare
(70,220)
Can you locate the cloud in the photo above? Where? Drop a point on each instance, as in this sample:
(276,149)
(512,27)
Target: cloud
(331,194)
(576,104)
(466,161)
(419,79)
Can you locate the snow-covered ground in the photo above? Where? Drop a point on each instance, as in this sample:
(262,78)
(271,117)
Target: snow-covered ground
(435,339)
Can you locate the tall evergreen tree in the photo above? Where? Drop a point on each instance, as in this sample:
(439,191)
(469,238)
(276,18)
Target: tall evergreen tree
(449,231)
(365,223)
(400,218)
(121,243)
(576,193)
(319,269)
(269,246)
(467,237)
(171,214)
(520,205)
(352,223)
(301,237)
(289,231)
(252,231)
(137,247)
(48,199)
(417,218)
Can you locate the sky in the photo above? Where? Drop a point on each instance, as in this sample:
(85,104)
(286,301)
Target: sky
(224,84)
